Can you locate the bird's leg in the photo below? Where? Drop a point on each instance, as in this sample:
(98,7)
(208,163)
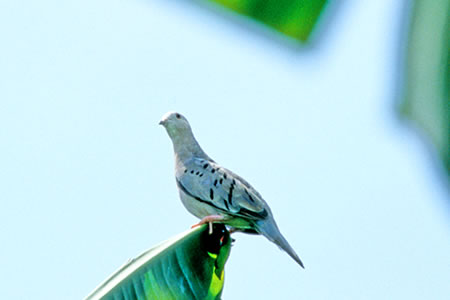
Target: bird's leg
(210,220)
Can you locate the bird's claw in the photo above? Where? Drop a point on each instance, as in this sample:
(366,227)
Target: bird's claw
(210,220)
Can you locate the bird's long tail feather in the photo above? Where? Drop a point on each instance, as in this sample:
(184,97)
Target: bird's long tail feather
(270,230)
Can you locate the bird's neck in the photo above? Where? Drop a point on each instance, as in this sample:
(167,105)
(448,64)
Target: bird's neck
(186,146)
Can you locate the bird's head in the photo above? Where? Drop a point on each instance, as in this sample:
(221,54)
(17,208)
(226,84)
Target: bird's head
(175,123)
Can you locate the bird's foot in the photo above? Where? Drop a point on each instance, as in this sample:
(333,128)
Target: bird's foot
(210,220)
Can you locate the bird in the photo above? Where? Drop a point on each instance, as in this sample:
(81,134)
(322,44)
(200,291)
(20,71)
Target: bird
(215,194)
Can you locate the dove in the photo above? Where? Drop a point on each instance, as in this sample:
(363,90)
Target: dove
(215,194)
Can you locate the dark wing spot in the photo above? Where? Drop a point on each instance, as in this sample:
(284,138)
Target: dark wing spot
(234,181)
(215,182)
(230,195)
(226,204)
(225,175)
(196,173)
(205,166)
(185,171)
(211,194)
(249,196)
(221,180)
(192,172)
(201,175)
(213,170)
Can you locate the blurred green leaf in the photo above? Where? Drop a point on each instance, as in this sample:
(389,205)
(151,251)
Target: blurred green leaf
(295,18)
(188,266)
(427,74)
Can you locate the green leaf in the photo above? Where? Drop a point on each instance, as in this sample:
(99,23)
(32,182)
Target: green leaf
(294,18)
(187,266)
(426,100)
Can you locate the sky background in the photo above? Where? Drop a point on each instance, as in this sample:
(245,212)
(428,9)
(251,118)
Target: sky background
(86,174)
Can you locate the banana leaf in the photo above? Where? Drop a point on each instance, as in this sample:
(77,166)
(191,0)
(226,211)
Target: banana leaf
(188,266)
(426,100)
(294,18)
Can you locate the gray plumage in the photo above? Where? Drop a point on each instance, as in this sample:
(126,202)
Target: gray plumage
(207,189)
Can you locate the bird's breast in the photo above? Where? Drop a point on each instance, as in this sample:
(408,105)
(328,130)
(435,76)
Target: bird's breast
(196,207)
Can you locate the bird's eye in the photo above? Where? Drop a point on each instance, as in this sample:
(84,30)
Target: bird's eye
(178,116)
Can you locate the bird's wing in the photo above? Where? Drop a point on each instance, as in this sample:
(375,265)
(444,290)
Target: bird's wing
(230,194)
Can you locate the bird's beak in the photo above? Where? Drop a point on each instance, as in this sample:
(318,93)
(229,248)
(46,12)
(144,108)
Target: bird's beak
(161,122)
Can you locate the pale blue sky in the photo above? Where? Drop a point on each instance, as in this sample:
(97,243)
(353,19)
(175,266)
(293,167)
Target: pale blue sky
(86,174)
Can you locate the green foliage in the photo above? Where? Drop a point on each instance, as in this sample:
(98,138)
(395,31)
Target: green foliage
(188,266)
(295,18)
(426,101)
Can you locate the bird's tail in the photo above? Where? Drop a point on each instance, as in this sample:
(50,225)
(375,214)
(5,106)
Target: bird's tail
(270,230)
